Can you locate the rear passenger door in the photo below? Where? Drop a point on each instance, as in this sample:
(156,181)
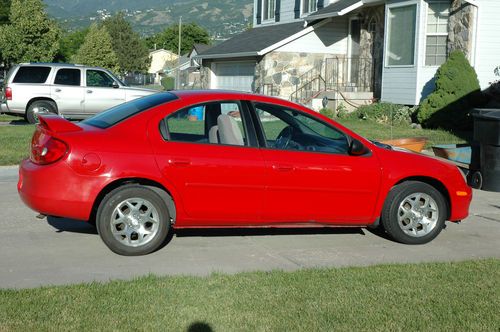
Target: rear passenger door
(67,91)
(219,175)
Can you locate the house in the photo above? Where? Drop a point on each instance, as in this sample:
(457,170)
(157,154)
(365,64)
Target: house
(354,49)
(190,70)
(159,60)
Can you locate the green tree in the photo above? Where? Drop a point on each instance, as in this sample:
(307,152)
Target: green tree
(457,91)
(97,50)
(31,35)
(168,39)
(4,11)
(131,50)
(69,44)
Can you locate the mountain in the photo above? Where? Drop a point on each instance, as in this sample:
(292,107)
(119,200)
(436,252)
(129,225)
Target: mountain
(221,18)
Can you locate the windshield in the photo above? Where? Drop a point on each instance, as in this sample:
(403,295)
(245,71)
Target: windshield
(123,111)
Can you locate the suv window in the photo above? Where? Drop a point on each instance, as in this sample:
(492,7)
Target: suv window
(214,122)
(33,74)
(99,78)
(123,111)
(288,129)
(68,77)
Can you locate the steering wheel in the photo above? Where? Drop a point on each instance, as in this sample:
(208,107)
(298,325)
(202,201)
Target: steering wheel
(284,138)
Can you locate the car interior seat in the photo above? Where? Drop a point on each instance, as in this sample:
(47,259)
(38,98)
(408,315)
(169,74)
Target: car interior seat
(229,131)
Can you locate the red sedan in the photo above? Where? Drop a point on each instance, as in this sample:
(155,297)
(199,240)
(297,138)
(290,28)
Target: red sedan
(226,159)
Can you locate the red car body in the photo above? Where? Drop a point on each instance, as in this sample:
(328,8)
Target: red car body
(260,187)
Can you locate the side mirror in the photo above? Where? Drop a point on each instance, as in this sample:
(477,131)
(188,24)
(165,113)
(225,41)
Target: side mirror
(356,148)
(115,85)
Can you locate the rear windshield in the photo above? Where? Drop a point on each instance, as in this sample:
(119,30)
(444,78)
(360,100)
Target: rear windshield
(119,113)
(34,74)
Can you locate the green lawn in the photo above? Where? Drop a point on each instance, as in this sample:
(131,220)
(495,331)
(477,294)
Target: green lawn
(9,118)
(420,297)
(14,143)
(14,140)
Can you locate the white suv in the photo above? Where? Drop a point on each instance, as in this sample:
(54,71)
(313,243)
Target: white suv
(72,91)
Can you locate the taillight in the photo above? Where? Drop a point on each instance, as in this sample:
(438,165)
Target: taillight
(46,149)
(8,93)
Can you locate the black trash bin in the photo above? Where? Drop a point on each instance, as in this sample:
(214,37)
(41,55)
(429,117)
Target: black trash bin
(487,134)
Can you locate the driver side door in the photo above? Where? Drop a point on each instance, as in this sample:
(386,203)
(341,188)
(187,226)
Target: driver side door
(101,91)
(311,177)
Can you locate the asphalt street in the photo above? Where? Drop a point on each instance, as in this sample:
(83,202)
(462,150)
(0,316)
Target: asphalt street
(59,251)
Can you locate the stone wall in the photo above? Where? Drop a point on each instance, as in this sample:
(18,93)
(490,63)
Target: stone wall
(281,73)
(371,44)
(461,27)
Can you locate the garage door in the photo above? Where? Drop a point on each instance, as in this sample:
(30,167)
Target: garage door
(234,76)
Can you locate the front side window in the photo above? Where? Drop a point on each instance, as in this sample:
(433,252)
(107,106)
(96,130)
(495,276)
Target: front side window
(287,129)
(213,123)
(437,33)
(401,28)
(68,77)
(308,6)
(268,8)
(33,74)
(98,78)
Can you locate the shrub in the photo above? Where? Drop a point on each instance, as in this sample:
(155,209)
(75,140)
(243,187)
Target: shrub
(457,90)
(342,111)
(327,112)
(168,83)
(386,113)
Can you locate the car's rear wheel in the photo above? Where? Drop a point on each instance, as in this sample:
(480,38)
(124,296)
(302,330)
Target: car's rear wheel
(133,220)
(40,107)
(414,213)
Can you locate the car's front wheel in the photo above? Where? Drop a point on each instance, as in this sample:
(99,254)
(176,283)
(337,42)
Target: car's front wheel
(133,220)
(40,107)
(414,212)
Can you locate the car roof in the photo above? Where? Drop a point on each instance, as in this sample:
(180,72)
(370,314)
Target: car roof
(58,64)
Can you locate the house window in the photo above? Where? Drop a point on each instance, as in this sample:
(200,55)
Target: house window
(401,26)
(437,33)
(308,6)
(268,8)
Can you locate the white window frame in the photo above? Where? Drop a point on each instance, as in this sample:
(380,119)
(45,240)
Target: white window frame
(268,11)
(387,26)
(310,9)
(434,34)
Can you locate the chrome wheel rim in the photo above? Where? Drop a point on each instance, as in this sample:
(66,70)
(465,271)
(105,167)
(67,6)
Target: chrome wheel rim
(135,222)
(418,214)
(39,110)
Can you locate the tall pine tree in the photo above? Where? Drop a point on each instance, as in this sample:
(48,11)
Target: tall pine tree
(97,50)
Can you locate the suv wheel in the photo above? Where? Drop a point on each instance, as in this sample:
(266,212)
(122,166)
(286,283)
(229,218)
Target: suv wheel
(40,107)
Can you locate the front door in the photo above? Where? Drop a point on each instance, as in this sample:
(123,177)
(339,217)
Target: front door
(207,156)
(101,92)
(312,178)
(354,50)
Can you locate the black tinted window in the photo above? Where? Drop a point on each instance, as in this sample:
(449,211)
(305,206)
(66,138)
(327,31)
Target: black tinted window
(68,77)
(32,75)
(121,112)
(99,78)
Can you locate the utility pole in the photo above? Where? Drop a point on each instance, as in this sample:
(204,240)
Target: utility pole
(177,80)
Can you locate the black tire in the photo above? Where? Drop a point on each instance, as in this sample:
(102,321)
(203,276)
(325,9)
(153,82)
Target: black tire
(391,213)
(155,208)
(45,107)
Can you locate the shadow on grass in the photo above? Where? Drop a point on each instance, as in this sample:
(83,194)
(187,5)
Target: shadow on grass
(199,327)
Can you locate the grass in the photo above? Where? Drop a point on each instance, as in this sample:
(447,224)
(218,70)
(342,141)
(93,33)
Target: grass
(9,118)
(461,296)
(377,131)
(14,140)
(14,143)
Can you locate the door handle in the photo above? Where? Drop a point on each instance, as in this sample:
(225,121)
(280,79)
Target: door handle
(283,168)
(89,91)
(179,162)
(58,90)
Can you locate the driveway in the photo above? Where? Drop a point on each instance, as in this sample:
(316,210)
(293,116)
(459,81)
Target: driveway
(58,251)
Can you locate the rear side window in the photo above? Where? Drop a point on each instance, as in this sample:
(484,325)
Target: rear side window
(33,74)
(68,77)
(123,111)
